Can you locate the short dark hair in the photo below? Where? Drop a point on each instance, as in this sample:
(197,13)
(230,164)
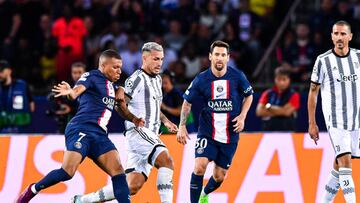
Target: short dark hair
(4,64)
(219,43)
(342,23)
(281,71)
(78,64)
(170,74)
(110,53)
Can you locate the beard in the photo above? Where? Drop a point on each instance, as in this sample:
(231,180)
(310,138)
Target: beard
(340,45)
(219,66)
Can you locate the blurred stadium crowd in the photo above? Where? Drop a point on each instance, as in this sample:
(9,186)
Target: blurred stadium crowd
(42,38)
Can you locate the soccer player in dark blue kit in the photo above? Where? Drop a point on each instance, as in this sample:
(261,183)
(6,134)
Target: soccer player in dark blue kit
(86,134)
(228,96)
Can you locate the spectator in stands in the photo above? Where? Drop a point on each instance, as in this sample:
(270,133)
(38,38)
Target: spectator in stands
(16,102)
(117,35)
(301,54)
(213,18)
(64,109)
(172,101)
(131,57)
(278,106)
(248,27)
(323,20)
(92,42)
(179,69)
(10,21)
(174,38)
(170,55)
(191,60)
(69,32)
(45,48)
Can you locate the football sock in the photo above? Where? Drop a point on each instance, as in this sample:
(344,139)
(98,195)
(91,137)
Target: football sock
(195,187)
(121,189)
(51,178)
(164,184)
(331,187)
(211,186)
(347,184)
(104,194)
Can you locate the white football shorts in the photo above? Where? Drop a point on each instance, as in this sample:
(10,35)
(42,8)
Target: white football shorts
(143,147)
(345,142)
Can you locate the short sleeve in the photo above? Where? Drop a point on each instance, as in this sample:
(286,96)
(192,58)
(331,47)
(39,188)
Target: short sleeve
(132,86)
(192,91)
(85,80)
(295,100)
(245,86)
(264,98)
(317,74)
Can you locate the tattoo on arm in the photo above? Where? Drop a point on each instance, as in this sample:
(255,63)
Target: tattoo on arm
(185,111)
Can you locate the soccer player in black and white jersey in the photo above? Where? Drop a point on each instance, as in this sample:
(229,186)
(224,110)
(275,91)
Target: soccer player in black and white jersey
(144,147)
(336,73)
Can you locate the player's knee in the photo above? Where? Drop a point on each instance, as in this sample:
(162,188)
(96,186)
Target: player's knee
(199,169)
(164,161)
(134,187)
(218,177)
(344,161)
(70,170)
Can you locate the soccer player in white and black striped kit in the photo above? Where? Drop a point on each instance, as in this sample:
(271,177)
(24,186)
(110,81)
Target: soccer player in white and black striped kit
(144,147)
(336,73)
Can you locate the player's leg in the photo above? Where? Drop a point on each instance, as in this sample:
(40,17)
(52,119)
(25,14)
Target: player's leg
(205,151)
(165,166)
(71,161)
(110,163)
(134,179)
(222,163)
(216,179)
(332,185)
(342,143)
(76,150)
(197,177)
(156,155)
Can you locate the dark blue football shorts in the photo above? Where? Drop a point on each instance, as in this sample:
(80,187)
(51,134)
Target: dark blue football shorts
(222,154)
(87,143)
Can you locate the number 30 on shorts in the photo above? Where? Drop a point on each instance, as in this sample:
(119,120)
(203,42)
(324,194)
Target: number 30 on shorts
(201,142)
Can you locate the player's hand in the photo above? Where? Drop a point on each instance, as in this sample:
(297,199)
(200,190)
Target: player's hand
(182,135)
(239,123)
(62,89)
(139,122)
(314,132)
(171,127)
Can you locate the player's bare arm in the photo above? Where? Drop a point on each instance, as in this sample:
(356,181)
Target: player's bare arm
(64,89)
(182,133)
(168,124)
(312,100)
(123,110)
(240,119)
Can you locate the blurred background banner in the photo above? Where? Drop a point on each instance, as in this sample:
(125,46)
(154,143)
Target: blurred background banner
(267,167)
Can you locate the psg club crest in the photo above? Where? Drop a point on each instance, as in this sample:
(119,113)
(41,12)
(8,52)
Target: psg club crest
(77,145)
(219,89)
(200,150)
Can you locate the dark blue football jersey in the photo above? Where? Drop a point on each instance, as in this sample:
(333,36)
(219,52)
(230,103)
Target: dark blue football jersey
(223,97)
(95,104)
